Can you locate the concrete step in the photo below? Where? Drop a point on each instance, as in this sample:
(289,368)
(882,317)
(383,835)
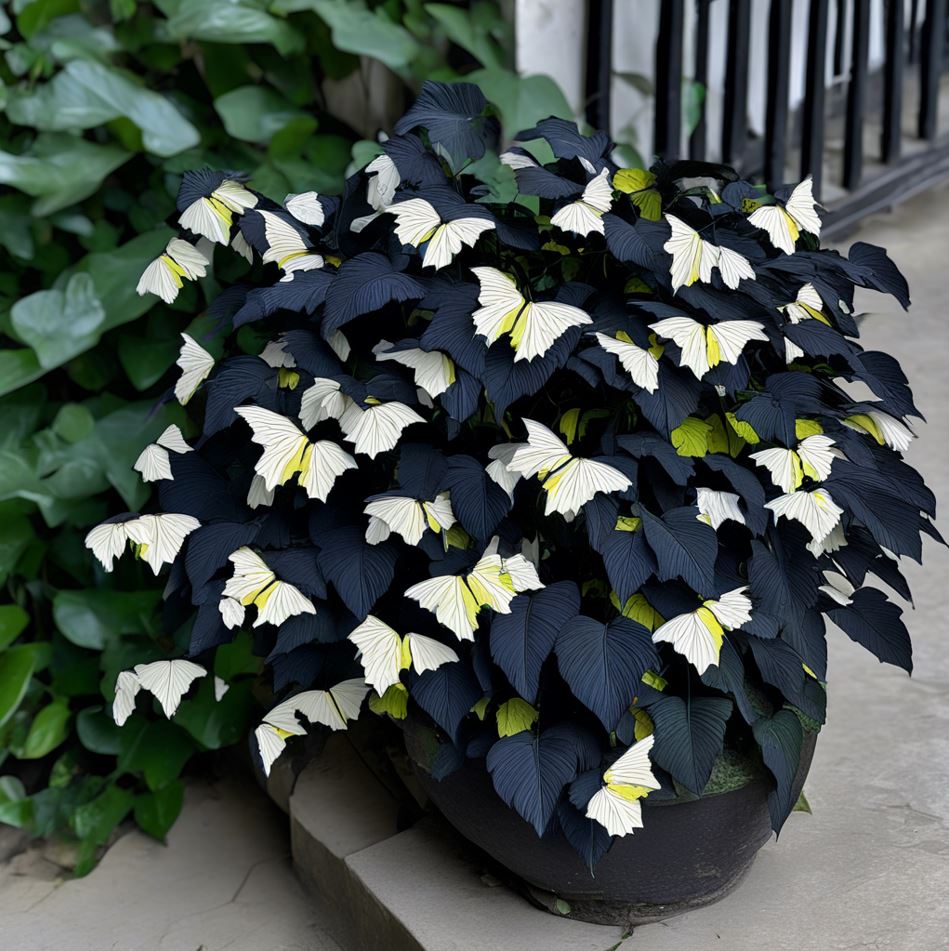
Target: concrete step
(410,889)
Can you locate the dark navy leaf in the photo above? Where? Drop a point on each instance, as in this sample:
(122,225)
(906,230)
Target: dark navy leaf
(478,502)
(453,331)
(876,623)
(529,772)
(604,663)
(208,548)
(453,117)
(781,666)
(310,352)
(629,561)
(366,283)
(689,737)
(729,677)
(361,573)
(684,547)
(566,141)
(299,567)
(421,470)
(239,379)
(447,695)
(587,836)
(199,490)
(522,640)
(650,446)
(780,738)
(880,272)
(303,292)
(638,243)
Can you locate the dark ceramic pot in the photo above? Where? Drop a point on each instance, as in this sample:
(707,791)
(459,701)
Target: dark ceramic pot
(688,854)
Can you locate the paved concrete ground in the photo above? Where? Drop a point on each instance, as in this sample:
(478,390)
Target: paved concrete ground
(224,881)
(869,869)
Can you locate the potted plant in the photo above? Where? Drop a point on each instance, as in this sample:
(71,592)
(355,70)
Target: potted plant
(552,462)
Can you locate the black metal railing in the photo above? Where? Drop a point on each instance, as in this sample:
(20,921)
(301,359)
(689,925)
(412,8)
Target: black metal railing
(795,140)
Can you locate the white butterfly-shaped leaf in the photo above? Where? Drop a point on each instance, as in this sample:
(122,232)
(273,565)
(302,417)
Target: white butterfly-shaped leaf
(814,509)
(717,507)
(784,223)
(384,653)
(586,215)
(154,462)
(339,345)
(221,687)
(168,681)
(434,370)
(258,494)
(834,541)
(517,159)
(126,688)
(323,400)
(107,542)
(501,456)
(409,517)
(616,805)
(196,364)
(704,347)
(813,457)
(455,600)
(533,327)
(253,582)
(285,245)
(641,365)
(883,428)
(332,708)
(306,207)
(569,481)
(698,634)
(417,222)
(276,355)
(838,588)
(240,245)
(288,452)
(180,262)
(694,258)
(212,216)
(384,181)
(807,305)
(377,428)
(270,743)
(159,537)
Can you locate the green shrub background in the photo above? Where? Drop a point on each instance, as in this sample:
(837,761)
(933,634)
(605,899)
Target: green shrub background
(102,106)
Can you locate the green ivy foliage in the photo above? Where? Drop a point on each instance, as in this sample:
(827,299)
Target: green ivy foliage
(102,106)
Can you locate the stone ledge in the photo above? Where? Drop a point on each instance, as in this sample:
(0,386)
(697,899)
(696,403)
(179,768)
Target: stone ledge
(412,890)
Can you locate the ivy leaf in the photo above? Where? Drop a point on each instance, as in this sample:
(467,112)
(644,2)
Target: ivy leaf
(689,737)
(240,22)
(254,113)
(48,729)
(59,324)
(85,94)
(16,669)
(780,738)
(156,811)
(529,772)
(522,640)
(366,32)
(604,663)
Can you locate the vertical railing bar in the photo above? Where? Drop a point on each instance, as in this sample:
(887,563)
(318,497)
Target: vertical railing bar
(840,37)
(893,81)
(776,117)
(812,131)
(914,31)
(697,141)
(856,96)
(734,124)
(930,66)
(668,117)
(599,63)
